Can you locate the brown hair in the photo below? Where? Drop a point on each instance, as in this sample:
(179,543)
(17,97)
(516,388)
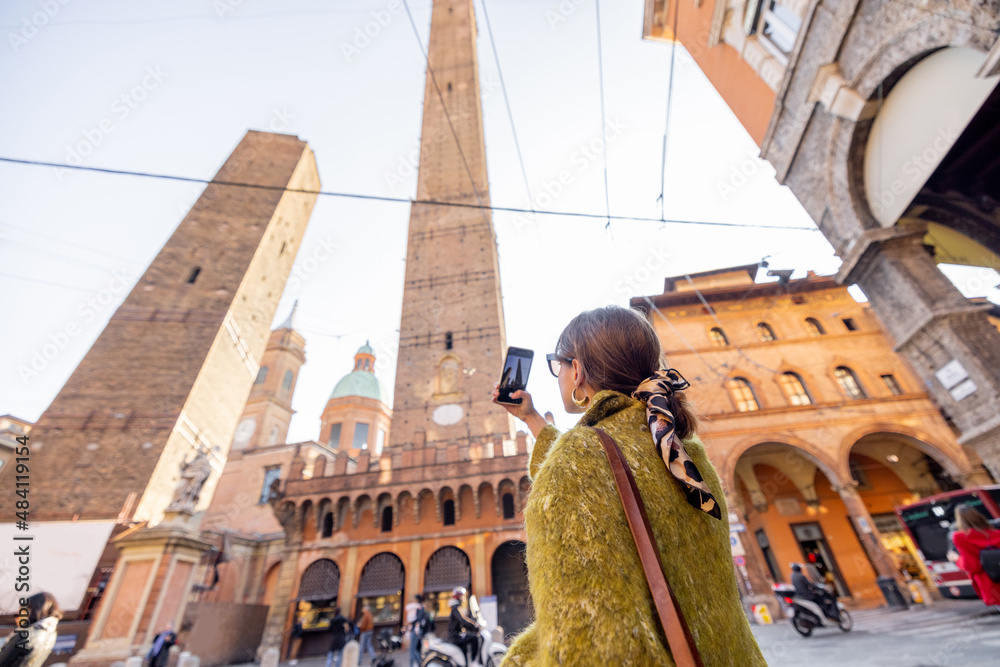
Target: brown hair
(966,518)
(618,349)
(42,605)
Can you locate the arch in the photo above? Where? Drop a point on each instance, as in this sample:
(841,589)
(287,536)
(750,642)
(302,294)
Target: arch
(509,575)
(448,512)
(814,327)
(322,508)
(765,333)
(464,501)
(717,337)
(447,568)
(380,587)
(270,584)
(308,521)
(449,372)
(953,460)
(343,513)
(444,495)
(361,504)
(507,501)
(742,394)
(523,489)
(384,500)
(831,466)
(404,504)
(427,508)
(505,486)
(286,381)
(849,383)
(320,581)
(484,498)
(326,530)
(386,519)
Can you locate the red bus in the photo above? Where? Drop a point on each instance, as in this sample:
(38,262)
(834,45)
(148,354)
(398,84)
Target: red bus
(930,522)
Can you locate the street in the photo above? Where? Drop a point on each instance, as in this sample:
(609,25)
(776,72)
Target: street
(952,632)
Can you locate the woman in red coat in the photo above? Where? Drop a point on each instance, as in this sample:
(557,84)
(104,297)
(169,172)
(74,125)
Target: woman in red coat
(973,533)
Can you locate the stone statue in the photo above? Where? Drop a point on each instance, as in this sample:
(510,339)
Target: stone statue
(194,474)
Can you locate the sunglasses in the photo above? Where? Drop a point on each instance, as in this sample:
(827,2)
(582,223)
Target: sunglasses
(556,362)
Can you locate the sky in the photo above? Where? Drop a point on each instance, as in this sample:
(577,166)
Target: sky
(172,88)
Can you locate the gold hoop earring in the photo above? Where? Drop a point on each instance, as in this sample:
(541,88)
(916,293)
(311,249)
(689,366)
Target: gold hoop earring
(579,402)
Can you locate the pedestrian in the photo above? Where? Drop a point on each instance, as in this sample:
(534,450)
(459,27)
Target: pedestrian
(159,652)
(295,643)
(366,626)
(593,605)
(340,630)
(973,534)
(416,621)
(30,646)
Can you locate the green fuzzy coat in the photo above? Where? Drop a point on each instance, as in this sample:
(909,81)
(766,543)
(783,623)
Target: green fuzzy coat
(592,603)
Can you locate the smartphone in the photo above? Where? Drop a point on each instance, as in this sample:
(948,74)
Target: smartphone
(516,367)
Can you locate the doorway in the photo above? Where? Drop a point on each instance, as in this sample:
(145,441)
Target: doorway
(816,551)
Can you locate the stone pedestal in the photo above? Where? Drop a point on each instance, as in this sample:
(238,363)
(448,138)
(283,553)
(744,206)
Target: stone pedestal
(150,586)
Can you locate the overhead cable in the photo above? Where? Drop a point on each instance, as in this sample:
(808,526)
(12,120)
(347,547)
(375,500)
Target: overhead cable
(399,200)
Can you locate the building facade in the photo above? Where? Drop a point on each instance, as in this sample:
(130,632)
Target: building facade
(881,119)
(817,427)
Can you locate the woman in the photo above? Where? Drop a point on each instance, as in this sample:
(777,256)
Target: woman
(29,647)
(340,631)
(592,603)
(972,534)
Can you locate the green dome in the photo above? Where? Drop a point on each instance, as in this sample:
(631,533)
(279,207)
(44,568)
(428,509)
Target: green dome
(363,384)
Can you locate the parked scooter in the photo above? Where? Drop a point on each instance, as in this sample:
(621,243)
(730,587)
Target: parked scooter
(807,614)
(437,652)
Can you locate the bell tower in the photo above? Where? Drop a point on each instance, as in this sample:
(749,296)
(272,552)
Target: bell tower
(269,409)
(451,335)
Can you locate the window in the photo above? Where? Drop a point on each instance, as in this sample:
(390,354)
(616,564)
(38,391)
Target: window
(275,434)
(379,442)
(508,505)
(271,473)
(449,512)
(360,436)
(772,563)
(448,341)
(742,393)
(892,385)
(718,337)
(765,332)
(261,375)
(327,525)
(794,389)
(386,519)
(194,275)
(848,382)
(814,327)
(849,323)
(776,24)
(334,440)
(286,382)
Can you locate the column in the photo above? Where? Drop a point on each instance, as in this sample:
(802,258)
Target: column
(277,615)
(754,571)
(948,340)
(885,568)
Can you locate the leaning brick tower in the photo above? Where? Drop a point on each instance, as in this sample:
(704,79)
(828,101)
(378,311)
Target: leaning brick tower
(171,372)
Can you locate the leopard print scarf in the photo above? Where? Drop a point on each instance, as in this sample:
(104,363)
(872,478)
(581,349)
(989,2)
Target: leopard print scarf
(654,392)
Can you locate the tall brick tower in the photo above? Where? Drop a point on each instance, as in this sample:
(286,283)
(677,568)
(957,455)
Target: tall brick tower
(171,372)
(451,336)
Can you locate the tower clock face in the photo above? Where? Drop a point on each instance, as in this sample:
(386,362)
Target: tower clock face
(446,415)
(244,431)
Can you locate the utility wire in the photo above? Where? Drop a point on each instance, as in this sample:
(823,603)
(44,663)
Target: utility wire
(59,256)
(670,97)
(604,126)
(506,100)
(684,340)
(400,200)
(69,243)
(444,107)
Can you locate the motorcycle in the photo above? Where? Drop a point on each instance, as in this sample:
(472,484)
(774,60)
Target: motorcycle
(436,652)
(807,614)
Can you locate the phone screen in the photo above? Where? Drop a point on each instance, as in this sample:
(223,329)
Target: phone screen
(515,373)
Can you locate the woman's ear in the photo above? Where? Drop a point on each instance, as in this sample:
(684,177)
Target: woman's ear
(579,379)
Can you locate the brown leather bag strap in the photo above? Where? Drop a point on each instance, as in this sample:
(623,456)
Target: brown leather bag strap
(682,646)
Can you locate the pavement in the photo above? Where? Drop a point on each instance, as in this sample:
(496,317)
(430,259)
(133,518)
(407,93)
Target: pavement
(950,633)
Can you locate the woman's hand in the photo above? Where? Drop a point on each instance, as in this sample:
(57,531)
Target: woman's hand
(953,556)
(526,411)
